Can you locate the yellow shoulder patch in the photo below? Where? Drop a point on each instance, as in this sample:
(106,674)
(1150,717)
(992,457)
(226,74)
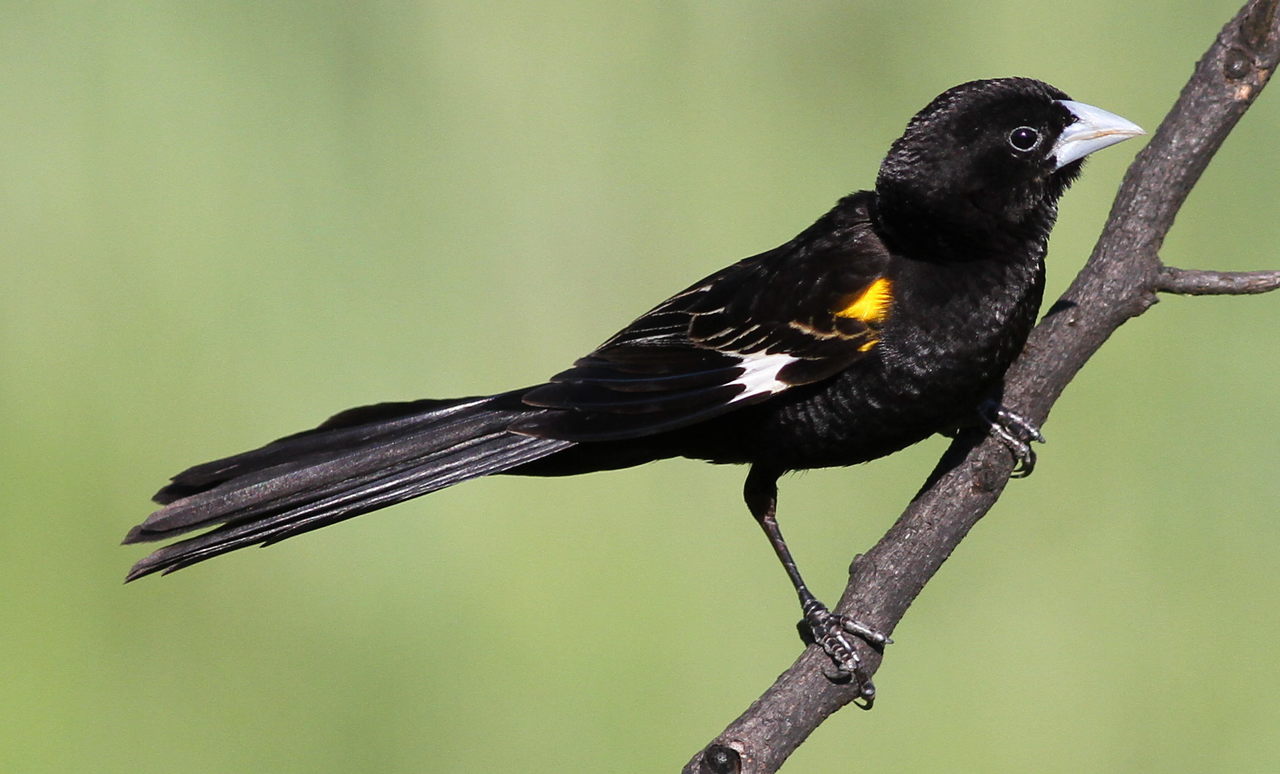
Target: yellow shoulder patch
(872,305)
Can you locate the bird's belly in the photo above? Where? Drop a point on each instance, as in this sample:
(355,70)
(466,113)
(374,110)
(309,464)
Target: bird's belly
(869,412)
(859,417)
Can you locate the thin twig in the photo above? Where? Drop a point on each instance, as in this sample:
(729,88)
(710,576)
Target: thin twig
(1194,282)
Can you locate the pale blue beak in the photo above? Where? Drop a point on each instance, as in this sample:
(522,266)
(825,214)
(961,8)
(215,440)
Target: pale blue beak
(1093,130)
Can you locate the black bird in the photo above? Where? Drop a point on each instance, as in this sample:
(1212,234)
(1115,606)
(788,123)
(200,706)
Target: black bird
(891,318)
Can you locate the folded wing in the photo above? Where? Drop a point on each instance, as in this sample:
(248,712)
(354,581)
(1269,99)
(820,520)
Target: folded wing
(795,315)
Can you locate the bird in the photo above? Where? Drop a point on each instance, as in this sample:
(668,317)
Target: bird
(891,318)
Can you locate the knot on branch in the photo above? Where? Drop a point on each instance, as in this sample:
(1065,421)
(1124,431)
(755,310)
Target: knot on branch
(719,759)
(1245,59)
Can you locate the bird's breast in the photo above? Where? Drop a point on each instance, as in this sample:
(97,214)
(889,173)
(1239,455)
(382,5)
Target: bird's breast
(950,338)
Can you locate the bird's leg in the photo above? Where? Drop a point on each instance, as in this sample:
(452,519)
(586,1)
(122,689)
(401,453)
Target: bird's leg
(829,630)
(1015,432)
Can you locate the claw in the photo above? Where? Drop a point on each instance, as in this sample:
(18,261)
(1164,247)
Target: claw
(873,637)
(1016,433)
(831,631)
(867,695)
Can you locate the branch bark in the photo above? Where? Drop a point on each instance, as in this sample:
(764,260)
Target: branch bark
(1191,282)
(1120,280)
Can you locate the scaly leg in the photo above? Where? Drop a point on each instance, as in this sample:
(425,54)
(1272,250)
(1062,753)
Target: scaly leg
(829,630)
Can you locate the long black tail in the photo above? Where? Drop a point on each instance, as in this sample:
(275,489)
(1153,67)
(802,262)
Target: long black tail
(358,461)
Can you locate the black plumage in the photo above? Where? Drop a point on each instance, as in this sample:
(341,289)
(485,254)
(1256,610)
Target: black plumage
(891,318)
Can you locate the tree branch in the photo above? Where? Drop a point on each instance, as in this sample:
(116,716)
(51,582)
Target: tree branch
(1119,281)
(1193,282)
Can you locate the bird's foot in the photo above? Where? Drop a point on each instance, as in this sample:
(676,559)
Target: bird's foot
(834,632)
(1016,433)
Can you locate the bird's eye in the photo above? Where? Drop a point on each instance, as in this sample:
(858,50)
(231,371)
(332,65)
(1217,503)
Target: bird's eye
(1024,138)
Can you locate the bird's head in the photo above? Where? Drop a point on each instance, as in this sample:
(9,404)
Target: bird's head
(994,154)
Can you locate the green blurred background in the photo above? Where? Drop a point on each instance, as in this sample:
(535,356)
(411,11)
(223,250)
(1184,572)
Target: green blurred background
(224,221)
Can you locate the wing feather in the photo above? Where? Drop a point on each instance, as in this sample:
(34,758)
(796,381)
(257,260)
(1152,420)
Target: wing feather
(797,314)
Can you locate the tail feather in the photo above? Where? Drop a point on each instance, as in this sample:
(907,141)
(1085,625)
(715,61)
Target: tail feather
(347,430)
(357,462)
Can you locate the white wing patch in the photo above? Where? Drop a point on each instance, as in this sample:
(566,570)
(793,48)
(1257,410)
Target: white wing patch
(760,374)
